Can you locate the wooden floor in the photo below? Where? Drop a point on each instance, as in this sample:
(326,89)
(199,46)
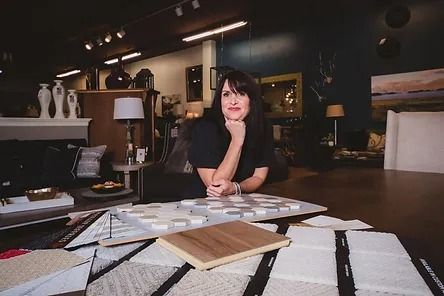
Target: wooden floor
(299,172)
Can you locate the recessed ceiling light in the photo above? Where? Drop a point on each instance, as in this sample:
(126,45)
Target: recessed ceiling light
(69,73)
(121,33)
(195,4)
(108,38)
(89,45)
(178,10)
(215,31)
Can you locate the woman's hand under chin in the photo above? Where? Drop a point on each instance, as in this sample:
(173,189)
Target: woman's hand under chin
(237,130)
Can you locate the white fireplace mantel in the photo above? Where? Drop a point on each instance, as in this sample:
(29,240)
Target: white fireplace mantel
(39,128)
(17,121)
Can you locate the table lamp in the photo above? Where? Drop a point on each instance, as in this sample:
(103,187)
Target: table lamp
(335,111)
(128,108)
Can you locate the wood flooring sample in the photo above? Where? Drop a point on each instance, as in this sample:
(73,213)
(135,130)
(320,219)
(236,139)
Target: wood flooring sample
(214,245)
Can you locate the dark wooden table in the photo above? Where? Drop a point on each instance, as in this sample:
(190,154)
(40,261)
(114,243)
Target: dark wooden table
(409,204)
(81,203)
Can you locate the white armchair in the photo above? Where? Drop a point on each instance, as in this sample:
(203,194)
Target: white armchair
(415,141)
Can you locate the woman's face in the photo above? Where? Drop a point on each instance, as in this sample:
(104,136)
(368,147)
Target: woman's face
(235,106)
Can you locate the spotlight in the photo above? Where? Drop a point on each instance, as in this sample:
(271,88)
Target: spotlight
(99,41)
(1,71)
(178,10)
(108,38)
(89,45)
(195,4)
(121,33)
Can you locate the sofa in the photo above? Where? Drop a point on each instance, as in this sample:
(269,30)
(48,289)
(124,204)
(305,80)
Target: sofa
(33,164)
(167,180)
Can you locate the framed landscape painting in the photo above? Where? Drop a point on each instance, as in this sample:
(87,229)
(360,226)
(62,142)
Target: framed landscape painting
(411,91)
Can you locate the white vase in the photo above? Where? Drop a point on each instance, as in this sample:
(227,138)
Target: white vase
(44,97)
(72,103)
(58,93)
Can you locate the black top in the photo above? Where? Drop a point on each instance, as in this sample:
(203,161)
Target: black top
(208,148)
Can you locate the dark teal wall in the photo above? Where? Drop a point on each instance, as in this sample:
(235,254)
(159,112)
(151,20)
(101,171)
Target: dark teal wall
(352,35)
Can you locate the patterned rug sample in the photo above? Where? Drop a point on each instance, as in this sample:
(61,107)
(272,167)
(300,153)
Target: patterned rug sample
(158,255)
(204,283)
(130,279)
(279,287)
(306,265)
(20,269)
(310,237)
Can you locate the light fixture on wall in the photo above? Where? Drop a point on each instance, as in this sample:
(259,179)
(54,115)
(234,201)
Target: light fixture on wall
(108,38)
(215,31)
(195,4)
(121,33)
(89,45)
(69,73)
(178,10)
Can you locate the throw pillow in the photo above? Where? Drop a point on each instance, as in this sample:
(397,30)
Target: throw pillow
(376,142)
(59,166)
(89,162)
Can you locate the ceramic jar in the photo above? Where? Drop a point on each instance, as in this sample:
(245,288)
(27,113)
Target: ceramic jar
(44,97)
(118,77)
(72,103)
(58,93)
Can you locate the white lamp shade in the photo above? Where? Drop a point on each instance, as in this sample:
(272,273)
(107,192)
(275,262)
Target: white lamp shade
(128,108)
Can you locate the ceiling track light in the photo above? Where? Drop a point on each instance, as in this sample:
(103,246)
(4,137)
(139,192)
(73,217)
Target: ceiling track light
(69,73)
(99,41)
(215,31)
(121,33)
(195,4)
(89,45)
(178,10)
(108,38)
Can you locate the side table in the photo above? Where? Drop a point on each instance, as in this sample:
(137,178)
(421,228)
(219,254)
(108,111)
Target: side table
(127,168)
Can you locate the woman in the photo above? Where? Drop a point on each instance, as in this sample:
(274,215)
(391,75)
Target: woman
(231,149)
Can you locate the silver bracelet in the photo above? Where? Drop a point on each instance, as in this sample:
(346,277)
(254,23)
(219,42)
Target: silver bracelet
(237,188)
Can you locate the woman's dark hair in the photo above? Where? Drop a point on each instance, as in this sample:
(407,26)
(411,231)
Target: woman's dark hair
(241,82)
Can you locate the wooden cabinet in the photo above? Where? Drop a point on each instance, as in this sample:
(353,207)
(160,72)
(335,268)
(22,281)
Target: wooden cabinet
(104,130)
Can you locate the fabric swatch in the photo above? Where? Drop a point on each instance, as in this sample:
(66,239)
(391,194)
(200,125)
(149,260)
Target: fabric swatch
(158,255)
(279,287)
(13,253)
(130,279)
(310,237)
(306,265)
(375,243)
(20,269)
(71,280)
(376,272)
(204,283)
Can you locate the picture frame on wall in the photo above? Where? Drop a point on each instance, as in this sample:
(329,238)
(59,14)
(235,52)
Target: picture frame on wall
(194,83)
